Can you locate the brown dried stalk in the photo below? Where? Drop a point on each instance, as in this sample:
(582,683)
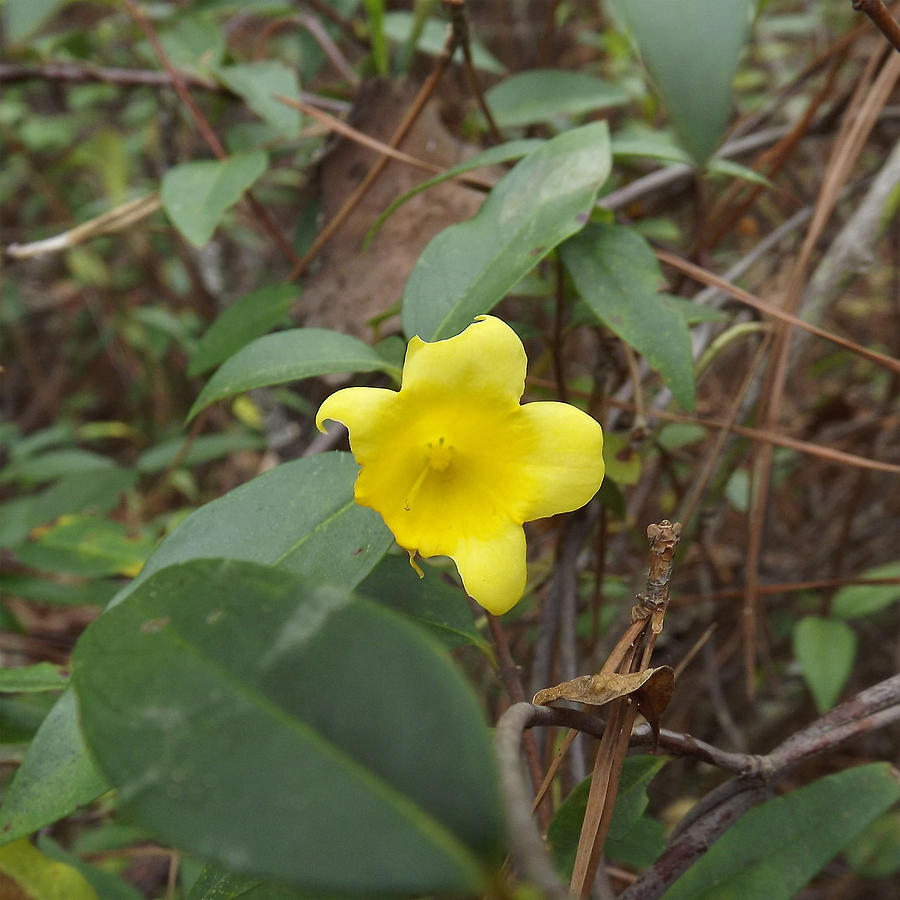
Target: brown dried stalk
(650,609)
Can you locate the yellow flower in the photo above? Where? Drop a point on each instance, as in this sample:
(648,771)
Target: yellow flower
(455,464)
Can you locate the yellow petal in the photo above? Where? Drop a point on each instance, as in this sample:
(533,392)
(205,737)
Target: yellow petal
(365,411)
(487,362)
(493,569)
(558,455)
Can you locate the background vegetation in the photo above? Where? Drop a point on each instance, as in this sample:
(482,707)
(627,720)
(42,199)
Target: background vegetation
(189,196)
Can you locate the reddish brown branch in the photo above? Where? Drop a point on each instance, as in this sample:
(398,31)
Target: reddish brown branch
(884,21)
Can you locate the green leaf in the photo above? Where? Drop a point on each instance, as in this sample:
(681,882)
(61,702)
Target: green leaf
(194,42)
(248,318)
(20,718)
(491,157)
(694,312)
(468,268)
(23,17)
(640,846)
(38,877)
(826,650)
(288,356)
(398,25)
(543,95)
(876,852)
(54,464)
(258,83)
(70,495)
(651,145)
(857,600)
(55,778)
(42,676)
(440,607)
(300,515)
(775,849)
(691,48)
(631,801)
(375,12)
(196,195)
(623,462)
(290,731)
(61,593)
(83,545)
(728,168)
(216,883)
(616,273)
(203,449)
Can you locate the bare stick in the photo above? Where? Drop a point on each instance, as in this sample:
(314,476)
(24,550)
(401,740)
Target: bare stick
(113,220)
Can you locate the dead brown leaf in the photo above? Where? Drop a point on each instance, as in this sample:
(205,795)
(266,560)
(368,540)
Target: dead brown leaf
(652,690)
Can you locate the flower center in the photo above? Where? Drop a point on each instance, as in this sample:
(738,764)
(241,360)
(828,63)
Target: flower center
(439,455)
(438,458)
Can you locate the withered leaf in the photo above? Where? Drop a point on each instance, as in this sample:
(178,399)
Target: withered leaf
(653,698)
(652,691)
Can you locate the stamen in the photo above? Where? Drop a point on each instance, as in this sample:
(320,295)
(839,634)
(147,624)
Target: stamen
(438,458)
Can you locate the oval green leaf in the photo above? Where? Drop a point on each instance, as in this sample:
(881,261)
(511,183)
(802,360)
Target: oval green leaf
(196,195)
(826,650)
(617,275)
(468,268)
(259,83)
(543,95)
(856,600)
(691,48)
(288,730)
(288,356)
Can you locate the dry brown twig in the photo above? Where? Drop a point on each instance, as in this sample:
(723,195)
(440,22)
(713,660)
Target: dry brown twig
(754,778)
(884,21)
(648,611)
(871,95)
